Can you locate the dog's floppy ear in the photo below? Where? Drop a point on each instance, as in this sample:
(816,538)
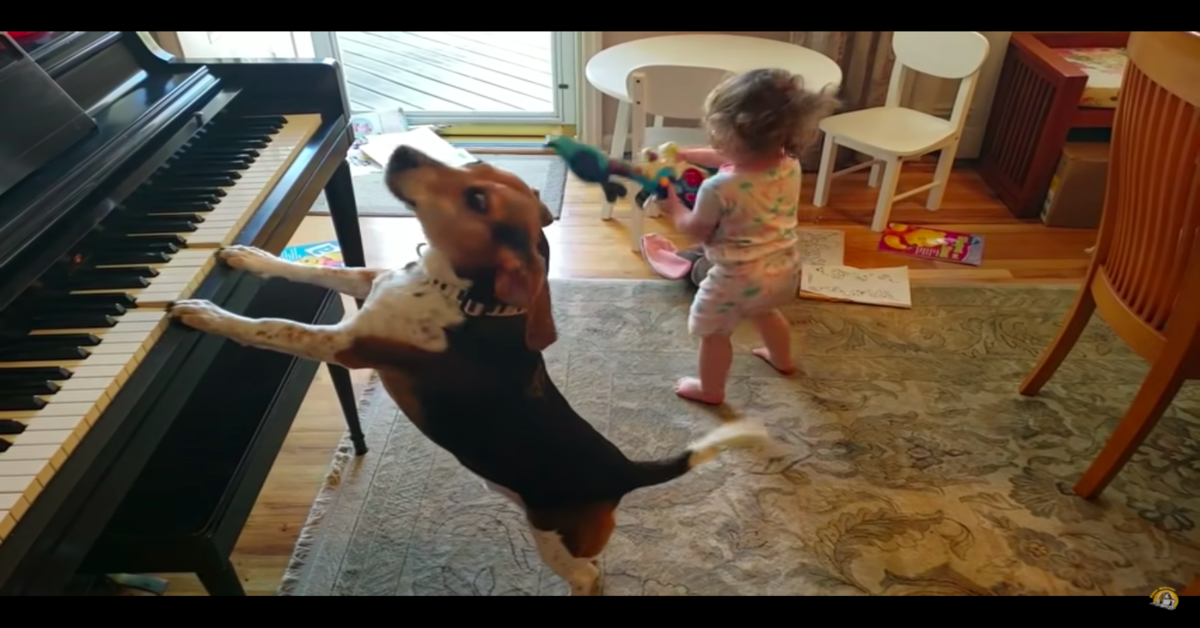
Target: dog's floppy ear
(546,217)
(523,284)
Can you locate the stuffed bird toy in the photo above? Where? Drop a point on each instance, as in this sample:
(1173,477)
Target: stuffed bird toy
(593,166)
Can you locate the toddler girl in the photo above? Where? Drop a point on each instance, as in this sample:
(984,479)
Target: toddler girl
(758,123)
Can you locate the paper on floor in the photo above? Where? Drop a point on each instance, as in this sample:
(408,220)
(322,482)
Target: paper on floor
(822,247)
(380,147)
(888,287)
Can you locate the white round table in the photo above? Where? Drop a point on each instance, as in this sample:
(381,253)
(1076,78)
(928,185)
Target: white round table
(609,69)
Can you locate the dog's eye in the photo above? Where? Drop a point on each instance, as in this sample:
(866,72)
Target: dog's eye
(476,200)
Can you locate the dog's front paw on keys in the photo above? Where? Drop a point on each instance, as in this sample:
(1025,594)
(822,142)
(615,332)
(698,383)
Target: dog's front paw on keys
(247,258)
(199,314)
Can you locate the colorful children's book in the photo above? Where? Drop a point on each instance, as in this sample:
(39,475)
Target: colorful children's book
(319,254)
(933,244)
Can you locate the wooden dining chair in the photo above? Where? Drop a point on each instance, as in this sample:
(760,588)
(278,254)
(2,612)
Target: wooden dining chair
(1144,278)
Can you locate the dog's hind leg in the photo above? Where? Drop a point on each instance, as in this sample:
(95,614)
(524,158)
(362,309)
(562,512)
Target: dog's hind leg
(354,282)
(570,540)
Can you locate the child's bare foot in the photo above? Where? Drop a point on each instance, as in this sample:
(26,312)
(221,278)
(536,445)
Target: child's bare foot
(689,388)
(765,354)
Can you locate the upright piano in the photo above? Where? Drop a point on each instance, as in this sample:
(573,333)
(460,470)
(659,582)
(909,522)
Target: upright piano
(127,444)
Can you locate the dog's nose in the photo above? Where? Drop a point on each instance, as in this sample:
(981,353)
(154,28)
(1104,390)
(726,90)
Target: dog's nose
(405,158)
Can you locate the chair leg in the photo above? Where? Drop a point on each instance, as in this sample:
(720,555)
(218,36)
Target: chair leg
(825,171)
(637,225)
(1156,394)
(873,179)
(887,192)
(617,150)
(941,177)
(1068,334)
(1193,589)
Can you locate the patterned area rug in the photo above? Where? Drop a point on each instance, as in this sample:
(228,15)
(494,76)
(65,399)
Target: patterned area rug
(545,173)
(906,464)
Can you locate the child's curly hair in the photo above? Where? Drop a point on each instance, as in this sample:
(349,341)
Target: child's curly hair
(763,111)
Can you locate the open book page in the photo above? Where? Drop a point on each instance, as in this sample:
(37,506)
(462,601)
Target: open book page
(822,247)
(380,147)
(877,286)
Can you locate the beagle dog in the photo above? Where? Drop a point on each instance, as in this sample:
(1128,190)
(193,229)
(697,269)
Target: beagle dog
(457,340)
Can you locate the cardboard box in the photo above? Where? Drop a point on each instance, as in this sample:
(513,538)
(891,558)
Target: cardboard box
(1076,195)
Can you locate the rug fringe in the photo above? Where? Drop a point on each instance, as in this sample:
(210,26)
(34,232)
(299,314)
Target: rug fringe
(325,497)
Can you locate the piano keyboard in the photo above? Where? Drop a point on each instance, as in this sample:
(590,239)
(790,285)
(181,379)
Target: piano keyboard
(80,337)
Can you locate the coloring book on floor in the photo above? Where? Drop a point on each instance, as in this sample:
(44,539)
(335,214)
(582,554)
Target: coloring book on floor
(317,254)
(888,287)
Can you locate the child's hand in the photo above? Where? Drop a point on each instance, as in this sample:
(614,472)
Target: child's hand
(671,205)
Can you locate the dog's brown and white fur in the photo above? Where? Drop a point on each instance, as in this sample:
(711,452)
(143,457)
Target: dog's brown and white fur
(457,340)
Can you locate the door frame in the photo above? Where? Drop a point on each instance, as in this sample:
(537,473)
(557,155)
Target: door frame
(565,72)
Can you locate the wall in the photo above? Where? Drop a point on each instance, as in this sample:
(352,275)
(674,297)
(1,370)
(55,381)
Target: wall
(929,94)
(936,96)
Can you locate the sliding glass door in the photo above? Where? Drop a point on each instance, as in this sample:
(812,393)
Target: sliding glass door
(458,76)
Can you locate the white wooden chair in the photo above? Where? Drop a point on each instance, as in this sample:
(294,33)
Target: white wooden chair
(664,91)
(892,134)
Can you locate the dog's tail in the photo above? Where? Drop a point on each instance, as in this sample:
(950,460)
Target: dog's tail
(744,433)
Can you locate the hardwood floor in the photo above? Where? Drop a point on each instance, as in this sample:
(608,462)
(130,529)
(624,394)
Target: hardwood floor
(586,247)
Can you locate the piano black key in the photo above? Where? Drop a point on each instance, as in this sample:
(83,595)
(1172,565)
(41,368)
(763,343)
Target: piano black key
(162,242)
(21,403)
(4,445)
(182,206)
(33,374)
(9,426)
(132,256)
(61,340)
(140,271)
(111,303)
(180,194)
(44,387)
(107,279)
(42,354)
(117,273)
(164,224)
(202,181)
(215,161)
(212,169)
(72,320)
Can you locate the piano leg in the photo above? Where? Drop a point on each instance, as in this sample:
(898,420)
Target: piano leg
(343,210)
(345,392)
(220,578)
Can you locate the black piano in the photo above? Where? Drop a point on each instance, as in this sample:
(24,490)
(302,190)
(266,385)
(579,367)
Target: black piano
(128,444)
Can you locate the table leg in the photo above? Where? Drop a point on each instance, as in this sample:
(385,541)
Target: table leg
(617,151)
